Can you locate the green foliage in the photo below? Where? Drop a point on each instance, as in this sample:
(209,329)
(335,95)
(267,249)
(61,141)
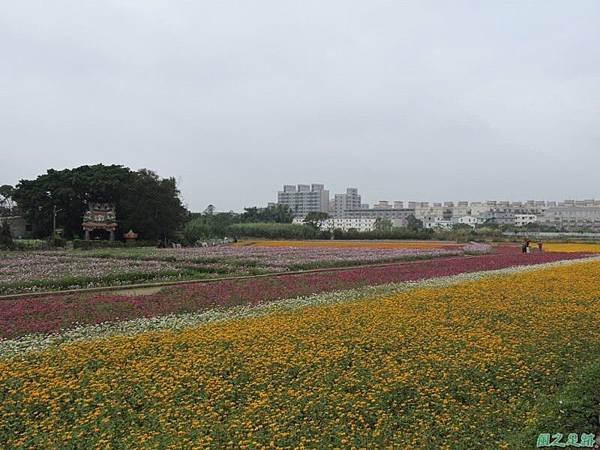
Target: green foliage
(413,223)
(208,226)
(57,241)
(315,219)
(253,222)
(144,202)
(274,213)
(462,234)
(31,244)
(383,224)
(574,409)
(152,206)
(6,240)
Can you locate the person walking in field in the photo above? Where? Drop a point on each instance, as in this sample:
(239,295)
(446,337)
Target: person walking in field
(524,247)
(540,246)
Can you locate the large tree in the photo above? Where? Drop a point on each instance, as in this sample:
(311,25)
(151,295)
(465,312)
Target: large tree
(144,202)
(151,206)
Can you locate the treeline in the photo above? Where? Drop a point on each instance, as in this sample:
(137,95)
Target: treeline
(272,221)
(232,225)
(197,231)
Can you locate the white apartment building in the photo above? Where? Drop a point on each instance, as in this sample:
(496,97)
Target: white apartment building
(401,215)
(382,204)
(346,224)
(467,220)
(572,218)
(344,202)
(303,198)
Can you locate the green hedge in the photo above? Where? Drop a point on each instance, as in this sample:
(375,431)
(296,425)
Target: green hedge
(273,231)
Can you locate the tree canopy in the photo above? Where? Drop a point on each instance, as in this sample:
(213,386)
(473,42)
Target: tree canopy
(144,202)
(315,219)
(273,213)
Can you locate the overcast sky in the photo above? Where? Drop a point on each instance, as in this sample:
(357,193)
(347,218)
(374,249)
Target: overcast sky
(421,100)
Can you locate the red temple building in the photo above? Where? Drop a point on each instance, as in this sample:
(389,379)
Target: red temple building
(100,217)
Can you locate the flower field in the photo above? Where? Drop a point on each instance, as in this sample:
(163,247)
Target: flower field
(572,247)
(474,360)
(57,270)
(21,316)
(353,244)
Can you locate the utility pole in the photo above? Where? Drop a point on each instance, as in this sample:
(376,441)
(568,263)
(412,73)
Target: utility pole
(55,211)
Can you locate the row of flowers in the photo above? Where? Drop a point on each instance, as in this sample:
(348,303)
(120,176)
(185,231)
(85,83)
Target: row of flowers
(572,247)
(279,255)
(450,365)
(374,244)
(51,313)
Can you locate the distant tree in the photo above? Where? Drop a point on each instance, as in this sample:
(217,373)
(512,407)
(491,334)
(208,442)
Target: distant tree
(315,220)
(414,224)
(6,239)
(151,206)
(490,223)
(382,224)
(273,230)
(462,226)
(274,213)
(206,226)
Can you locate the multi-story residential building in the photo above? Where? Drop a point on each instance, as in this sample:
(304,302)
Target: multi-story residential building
(568,215)
(382,204)
(497,216)
(382,213)
(523,219)
(572,218)
(303,198)
(428,214)
(344,202)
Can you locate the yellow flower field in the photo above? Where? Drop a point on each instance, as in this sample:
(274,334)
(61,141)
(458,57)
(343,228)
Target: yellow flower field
(571,247)
(458,367)
(352,244)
